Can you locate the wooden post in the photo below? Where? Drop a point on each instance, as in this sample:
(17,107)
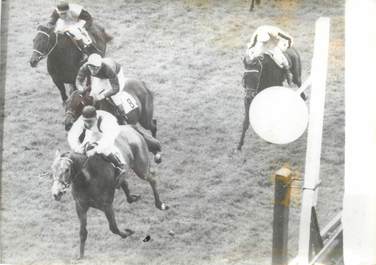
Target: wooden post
(282,196)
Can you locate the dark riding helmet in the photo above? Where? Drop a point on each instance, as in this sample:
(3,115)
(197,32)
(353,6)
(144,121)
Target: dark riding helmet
(62,6)
(89,112)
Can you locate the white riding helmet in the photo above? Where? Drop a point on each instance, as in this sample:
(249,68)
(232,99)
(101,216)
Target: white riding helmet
(95,60)
(263,36)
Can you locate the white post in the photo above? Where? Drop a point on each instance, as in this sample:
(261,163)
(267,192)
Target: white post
(313,155)
(359,213)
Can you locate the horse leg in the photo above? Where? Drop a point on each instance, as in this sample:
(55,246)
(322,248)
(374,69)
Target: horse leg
(247,103)
(252,5)
(72,87)
(153,127)
(130,198)
(82,215)
(110,215)
(154,146)
(153,183)
(60,85)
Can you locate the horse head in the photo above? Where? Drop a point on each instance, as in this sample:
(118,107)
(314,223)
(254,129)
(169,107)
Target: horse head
(74,106)
(252,74)
(42,44)
(62,168)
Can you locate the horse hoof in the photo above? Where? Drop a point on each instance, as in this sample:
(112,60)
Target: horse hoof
(163,207)
(158,158)
(126,233)
(133,198)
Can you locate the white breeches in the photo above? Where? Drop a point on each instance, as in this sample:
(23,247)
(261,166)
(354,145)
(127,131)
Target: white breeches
(99,86)
(75,28)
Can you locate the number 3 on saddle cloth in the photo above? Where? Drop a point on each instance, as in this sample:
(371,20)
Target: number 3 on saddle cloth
(125,102)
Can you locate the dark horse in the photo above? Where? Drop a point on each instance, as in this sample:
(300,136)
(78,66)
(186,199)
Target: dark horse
(63,55)
(93,180)
(143,113)
(263,72)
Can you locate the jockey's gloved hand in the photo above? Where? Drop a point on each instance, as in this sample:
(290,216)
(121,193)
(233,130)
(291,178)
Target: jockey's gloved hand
(91,152)
(80,88)
(80,149)
(100,97)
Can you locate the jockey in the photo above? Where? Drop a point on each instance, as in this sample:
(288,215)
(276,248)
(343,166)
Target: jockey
(273,41)
(105,69)
(96,127)
(74,20)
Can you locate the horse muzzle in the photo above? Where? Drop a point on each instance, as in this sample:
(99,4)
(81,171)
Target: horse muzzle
(57,191)
(58,196)
(68,125)
(35,58)
(34,62)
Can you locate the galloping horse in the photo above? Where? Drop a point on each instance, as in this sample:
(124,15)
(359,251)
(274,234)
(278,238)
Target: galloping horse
(63,56)
(93,180)
(262,72)
(143,113)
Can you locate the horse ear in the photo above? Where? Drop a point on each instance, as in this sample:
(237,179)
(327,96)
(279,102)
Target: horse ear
(57,154)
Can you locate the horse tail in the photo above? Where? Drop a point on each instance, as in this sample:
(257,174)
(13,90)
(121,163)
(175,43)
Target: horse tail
(296,67)
(147,120)
(107,37)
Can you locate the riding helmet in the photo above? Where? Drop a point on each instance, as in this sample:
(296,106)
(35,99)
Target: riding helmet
(95,60)
(63,6)
(89,112)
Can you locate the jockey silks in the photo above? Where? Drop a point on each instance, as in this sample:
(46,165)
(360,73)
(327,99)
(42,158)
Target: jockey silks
(103,133)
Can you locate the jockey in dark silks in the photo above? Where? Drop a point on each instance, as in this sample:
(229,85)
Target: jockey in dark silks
(273,41)
(75,21)
(108,80)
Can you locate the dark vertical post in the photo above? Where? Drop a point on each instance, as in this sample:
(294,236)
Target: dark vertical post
(282,195)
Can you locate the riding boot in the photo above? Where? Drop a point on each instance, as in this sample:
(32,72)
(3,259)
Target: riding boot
(122,114)
(119,167)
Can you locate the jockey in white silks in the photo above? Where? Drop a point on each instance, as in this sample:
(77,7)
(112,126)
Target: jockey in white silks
(273,41)
(100,128)
(74,20)
(107,82)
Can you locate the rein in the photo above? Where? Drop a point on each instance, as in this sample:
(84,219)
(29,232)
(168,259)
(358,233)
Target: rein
(42,55)
(256,71)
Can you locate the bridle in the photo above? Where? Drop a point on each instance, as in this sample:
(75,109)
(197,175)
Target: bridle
(256,71)
(66,184)
(41,54)
(70,112)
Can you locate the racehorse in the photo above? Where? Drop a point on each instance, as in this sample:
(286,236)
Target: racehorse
(262,72)
(93,180)
(143,113)
(64,58)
